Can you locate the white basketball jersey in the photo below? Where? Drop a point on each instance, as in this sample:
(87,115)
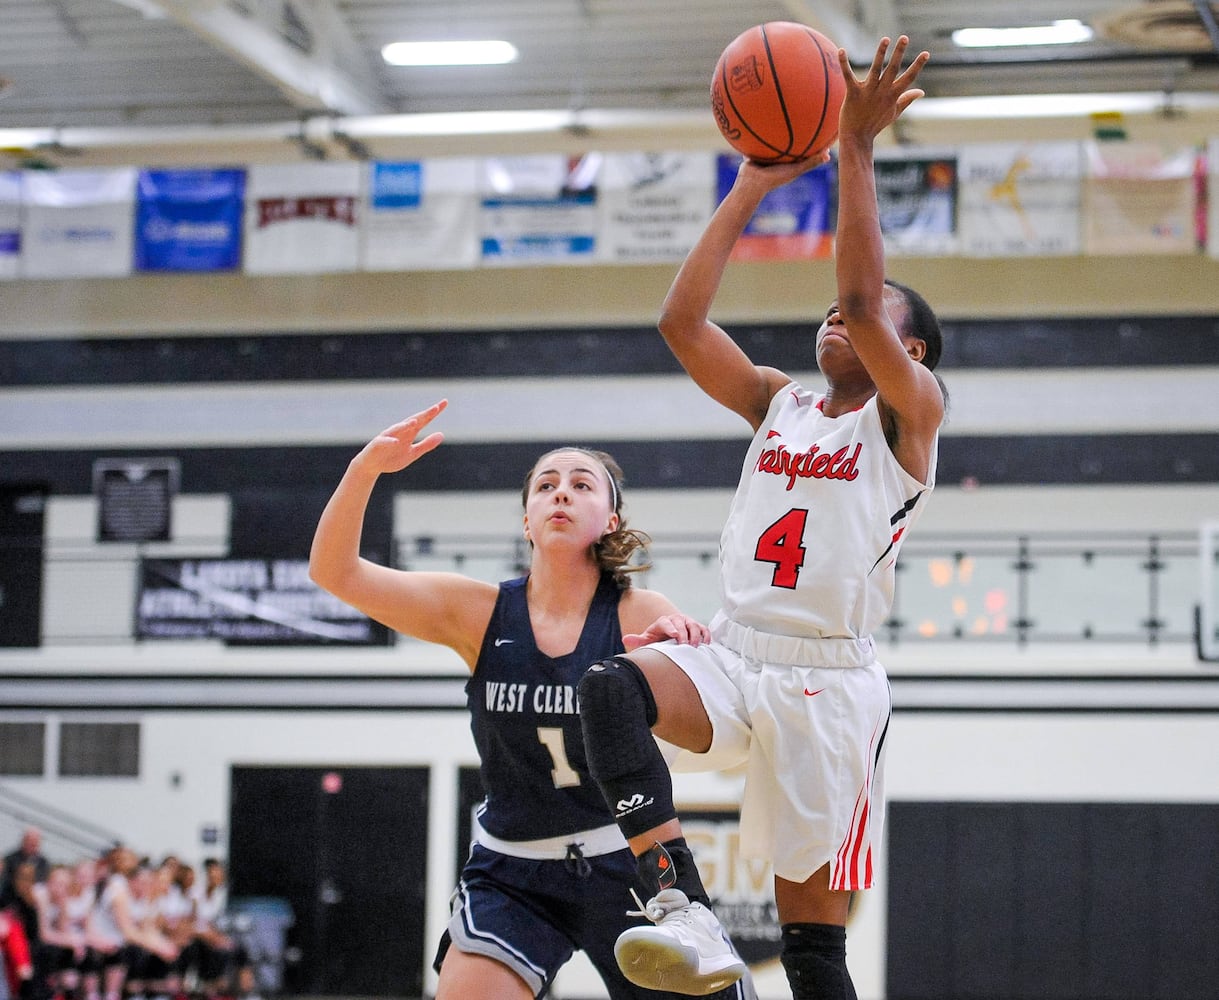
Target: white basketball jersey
(811,541)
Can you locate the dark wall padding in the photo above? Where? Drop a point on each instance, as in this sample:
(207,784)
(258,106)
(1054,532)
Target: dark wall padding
(1053,901)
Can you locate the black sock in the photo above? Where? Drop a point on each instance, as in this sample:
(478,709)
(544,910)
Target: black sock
(671,865)
(815,959)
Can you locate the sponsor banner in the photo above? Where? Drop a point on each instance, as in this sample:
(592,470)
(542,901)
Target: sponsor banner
(421,215)
(246,602)
(189,220)
(539,209)
(654,206)
(10,222)
(77,223)
(1139,199)
(1020,200)
(917,198)
(303,218)
(792,222)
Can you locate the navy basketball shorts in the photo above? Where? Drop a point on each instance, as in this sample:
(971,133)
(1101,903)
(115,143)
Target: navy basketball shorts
(532,915)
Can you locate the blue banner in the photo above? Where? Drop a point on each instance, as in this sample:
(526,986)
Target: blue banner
(397,185)
(792,222)
(189,220)
(10,222)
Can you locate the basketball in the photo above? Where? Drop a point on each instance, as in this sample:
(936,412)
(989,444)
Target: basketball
(776,92)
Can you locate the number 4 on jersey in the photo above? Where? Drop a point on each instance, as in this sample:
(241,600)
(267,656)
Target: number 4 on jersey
(780,544)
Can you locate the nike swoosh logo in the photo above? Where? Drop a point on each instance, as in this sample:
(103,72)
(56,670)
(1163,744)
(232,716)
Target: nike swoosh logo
(811,693)
(500,642)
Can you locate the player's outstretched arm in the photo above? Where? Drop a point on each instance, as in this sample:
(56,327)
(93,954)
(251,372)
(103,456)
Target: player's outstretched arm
(708,354)
(871,105)
(445,608)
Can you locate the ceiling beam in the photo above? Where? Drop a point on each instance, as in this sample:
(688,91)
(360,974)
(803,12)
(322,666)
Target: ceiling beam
(856,29)
(1207,16)
(329,77)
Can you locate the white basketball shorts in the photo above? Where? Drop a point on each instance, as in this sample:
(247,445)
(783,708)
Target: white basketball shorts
(812,738)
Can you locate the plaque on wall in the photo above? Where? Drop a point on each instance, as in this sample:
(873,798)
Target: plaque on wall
(135,498)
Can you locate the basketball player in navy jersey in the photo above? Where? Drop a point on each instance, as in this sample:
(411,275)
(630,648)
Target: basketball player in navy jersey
(549,867)
(789,685)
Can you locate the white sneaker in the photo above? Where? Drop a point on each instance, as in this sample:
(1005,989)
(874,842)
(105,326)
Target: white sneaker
(686,952)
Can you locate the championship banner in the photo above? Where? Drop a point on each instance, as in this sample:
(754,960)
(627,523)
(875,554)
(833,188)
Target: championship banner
(1020,200)
(917,197)
(77,223)
(793,222)
(421,215)
(10,222)
(1139,199)
(302,218)
(539,209)
(189,220)
(246,602)
(654,206)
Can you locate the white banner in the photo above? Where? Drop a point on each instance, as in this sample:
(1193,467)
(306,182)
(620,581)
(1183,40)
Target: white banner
(421,215)
(10,222)
(77,223)
(302,218)
(654,206)
(1020,200)
(539,209)
(1139,199)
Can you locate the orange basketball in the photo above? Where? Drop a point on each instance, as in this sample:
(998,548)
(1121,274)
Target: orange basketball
(776,92)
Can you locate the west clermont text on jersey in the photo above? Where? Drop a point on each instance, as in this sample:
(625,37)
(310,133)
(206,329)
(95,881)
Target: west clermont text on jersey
(524,716)
(811,541)
(557,699)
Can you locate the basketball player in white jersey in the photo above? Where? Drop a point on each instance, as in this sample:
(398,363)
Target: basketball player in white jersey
(829,487)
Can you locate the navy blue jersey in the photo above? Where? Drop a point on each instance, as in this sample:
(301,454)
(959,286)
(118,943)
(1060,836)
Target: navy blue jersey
(526,723)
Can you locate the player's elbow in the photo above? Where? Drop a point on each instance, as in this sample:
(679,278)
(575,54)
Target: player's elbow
(857,307)
(324,573)
(676,326)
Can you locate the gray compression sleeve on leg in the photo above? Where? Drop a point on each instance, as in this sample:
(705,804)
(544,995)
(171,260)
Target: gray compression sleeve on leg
(617,711)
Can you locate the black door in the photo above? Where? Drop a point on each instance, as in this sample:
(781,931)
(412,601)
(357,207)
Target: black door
(347,848)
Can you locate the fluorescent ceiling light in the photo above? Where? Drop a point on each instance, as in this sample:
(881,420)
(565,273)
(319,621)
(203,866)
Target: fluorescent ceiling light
(1057,33)
(480,53)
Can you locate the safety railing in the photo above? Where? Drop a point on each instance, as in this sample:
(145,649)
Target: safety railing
(968,588)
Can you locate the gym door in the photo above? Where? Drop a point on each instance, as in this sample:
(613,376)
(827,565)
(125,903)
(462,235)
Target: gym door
(347,848)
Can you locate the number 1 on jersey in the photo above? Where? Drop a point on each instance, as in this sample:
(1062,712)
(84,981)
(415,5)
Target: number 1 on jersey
(780,544)
(562,774)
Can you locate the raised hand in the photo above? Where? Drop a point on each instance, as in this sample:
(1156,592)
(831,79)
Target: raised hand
(396,447)
(774,175)
(886,90)
(682,628)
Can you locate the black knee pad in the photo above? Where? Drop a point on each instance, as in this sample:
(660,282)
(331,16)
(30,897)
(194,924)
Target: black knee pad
(617,712)
(814,957)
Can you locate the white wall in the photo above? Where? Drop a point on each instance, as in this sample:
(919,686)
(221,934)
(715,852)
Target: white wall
(1161,758)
